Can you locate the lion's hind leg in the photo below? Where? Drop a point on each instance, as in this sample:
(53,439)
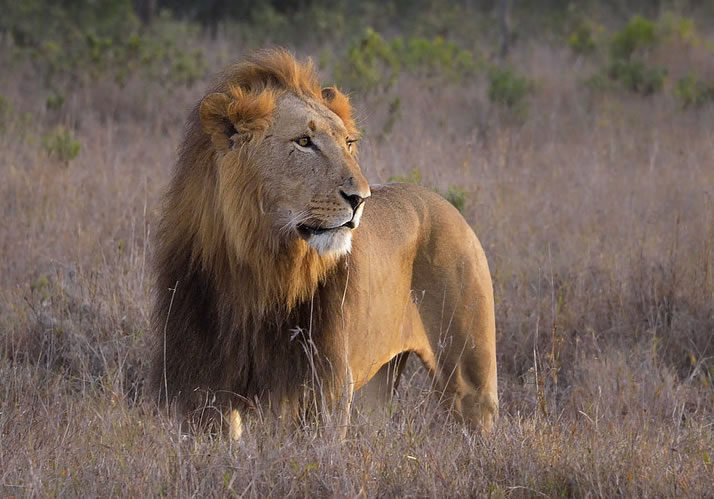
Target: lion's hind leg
(474,401)
(458,315)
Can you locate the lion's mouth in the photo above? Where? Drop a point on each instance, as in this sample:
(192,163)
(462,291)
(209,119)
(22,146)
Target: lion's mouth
(307,230)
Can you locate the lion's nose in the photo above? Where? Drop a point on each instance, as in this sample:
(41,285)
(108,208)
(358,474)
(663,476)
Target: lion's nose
(355,191)
(353,199)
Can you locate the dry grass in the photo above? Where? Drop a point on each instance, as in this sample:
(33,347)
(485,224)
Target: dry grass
(596,214)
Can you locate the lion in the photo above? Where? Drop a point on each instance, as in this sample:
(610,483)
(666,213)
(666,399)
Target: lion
(283,277)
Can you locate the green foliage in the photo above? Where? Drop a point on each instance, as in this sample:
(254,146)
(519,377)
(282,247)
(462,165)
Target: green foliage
(639,33)
(31,23)
(164,52)
(509,89)
(632,73)
(690,91)
(60,144)
(676,27)
(6,110)
(370,61)
(600,81)
(413,177)
(626,67)
(374,63)
(40,283)
(631,49)
(454,195)
(636,76)
(69,41)
(457,197)
(54,101)
(436,56)
(582,40)
(394,113)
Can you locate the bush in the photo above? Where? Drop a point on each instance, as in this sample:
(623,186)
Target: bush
(509,89)
(370,63)
(60,144)
(101,39)
(639,33)
(373,63)
(437,56)
(676,27)
(6,111)
(457,197)
(413,177)
(636,76)
(581,40)
(454,195)
(626,66)
(54,101)
(690,91)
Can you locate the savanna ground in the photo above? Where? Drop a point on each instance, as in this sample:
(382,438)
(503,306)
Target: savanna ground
(593,198)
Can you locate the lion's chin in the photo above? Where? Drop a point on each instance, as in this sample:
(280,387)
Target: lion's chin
(335,242)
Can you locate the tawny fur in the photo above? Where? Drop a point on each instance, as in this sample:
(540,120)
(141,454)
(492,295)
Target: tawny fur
(247,311)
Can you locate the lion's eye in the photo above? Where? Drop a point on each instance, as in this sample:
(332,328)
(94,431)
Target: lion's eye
(349,144)
(303,142)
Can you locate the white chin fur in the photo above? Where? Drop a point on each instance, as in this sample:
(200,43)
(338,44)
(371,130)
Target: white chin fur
(336,243)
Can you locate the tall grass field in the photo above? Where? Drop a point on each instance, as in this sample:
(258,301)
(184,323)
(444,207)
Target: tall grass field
(583,159)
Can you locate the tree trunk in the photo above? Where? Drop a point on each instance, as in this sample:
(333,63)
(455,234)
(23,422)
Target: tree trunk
(504,15)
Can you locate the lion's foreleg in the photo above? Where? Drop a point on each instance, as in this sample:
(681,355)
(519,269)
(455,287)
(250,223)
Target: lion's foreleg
(345,407)
(236,424)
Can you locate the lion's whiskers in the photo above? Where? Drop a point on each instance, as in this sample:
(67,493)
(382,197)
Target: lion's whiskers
(299,217)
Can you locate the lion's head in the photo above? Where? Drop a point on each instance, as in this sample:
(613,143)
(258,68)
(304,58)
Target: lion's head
(287,148)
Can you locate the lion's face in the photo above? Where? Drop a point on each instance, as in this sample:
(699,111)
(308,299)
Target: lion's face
(309,156)
(304,160)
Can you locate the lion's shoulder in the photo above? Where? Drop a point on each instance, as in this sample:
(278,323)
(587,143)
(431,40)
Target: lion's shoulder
(409,202)
(399,216)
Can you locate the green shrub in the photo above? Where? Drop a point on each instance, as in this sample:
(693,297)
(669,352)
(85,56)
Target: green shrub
(60,144)
(370,63)
(413,177)
(6,110)
(394,114)
(509,89)
(457,197)
(636,76)
(454,195)
(69,41)
(626,67)
(54,101)
(437,56)
(690,91)
(373,63)
(637,34)
(581,40)
(675,27)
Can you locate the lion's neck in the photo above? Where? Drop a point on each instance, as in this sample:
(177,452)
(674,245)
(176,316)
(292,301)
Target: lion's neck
(277,281)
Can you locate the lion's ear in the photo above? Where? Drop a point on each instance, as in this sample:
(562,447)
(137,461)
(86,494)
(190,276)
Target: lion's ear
(339,104)
(214,113)
(329,93)
(236,118)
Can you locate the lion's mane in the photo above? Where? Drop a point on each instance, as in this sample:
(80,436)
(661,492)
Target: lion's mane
(226,284)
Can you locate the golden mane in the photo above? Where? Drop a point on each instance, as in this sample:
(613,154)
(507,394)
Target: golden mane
(277,71)
(202,251)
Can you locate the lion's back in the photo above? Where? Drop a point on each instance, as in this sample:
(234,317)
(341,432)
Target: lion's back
(399,214)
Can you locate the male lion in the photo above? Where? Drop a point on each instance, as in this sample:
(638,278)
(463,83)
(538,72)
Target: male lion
(283,278)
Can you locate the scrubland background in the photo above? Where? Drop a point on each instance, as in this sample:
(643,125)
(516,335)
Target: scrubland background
(577,141)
